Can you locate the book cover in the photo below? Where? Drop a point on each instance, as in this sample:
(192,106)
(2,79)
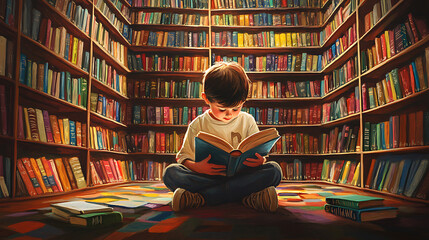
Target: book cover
(100,219)
(355,201)
(222,153)
(81,207)
(362,215)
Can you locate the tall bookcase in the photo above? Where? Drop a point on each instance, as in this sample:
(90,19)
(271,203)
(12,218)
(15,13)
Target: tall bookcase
(209,32)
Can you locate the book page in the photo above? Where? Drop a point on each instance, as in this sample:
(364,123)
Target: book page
(215,141)
(257,139)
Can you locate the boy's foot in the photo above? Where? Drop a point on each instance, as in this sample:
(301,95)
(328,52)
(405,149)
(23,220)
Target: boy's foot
(265,200)
(184,199)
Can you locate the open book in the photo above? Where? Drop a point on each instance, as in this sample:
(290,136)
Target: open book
(222,153)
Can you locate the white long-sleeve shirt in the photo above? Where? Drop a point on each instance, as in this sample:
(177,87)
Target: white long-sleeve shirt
(233,132)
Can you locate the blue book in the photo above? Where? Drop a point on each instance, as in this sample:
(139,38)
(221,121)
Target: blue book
(23,69)
(404,176)
(289,62)
(362,215)
(68,87)
(131,170)
(319,63)
(383,140)
(415,162)
(45,77)
(416,76)
(391,132)
(67,47)
(270,116)
(257,115)
(62,85)
(72,132)
(100,141)
(303,61)
(137,114)
(288,19)
(10,13)
(276,116)
(222,153)
(377,172)
(270,19)
(36,24)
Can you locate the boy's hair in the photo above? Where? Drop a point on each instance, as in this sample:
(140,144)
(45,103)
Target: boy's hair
(226,83)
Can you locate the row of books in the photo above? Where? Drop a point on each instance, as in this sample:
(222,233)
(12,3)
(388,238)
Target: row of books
(168,18)
(7,12)
(398,84)
(343,107)
(5,177)
(264,39)
(404,130)
(220,4)
(340,140)
(280,116)
(161,88)
(341,171)
(123,8)
(171,4)
(379,9)
(268,19)
(155,62)
(58,39)
(44,175)
(104,8)
(296,143)
(331,7)
(288,89)
(393,41)
(340,76)
(38,125)
(275,62)
(341,45)
(340,17)
(170,38)
(4,116)
(75,12)
(107,107)
(111,170)
(107,42)
(154,142)
(165,115)
(106,139)
(296,170)
(6,57)
(108,75)
(43,77)
(400,174)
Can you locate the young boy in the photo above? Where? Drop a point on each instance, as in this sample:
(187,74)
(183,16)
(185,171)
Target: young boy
(194,184)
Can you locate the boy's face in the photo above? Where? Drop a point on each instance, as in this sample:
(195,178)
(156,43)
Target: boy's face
(224,114)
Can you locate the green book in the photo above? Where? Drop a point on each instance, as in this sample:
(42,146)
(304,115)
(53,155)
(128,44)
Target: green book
(383,176)
(102,219)
(355,201)
(366,136)
(373,137)
(362,215)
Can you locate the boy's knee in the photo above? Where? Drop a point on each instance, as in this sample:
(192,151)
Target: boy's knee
(171,170)
(276,171)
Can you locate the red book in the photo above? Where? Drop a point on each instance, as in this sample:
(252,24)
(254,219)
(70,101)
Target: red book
(351,173)
(383,46)
(412,129)
(114,169)
(48,33)
(412,78)
(24,175)
(49,174)
(108,170)
(32,175)
(405,81)
(48,130)
(413,27)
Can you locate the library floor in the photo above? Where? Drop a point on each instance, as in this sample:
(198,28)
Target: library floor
(300,216)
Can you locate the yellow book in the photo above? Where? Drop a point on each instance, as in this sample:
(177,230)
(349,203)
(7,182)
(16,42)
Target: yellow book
(294,40)
(282,39)
(62,174)
(346,172)
(77,172)
(260,83)
(94,132)
(240,37)
(387,134)
(394,96)
(38,174)
(251,44)
(74,53)
(241,17)
(386,36)
(50,74)
(356,177)
(246,40)
(246,20)
(386,93)
(27,125)
(41,125)
(57,40)
(44,175)
(66,126)
(277,39)
(289,39)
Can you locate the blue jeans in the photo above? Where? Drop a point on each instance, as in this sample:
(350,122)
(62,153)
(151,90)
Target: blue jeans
(221,189)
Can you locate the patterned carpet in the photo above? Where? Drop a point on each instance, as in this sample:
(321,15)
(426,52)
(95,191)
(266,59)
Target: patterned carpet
(300,216)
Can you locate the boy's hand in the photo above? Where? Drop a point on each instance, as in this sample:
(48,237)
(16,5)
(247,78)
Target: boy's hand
(205,167)
(255,162)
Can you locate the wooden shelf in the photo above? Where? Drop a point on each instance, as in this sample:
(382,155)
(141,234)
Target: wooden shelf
(349,118)
(296,73)
(160,9)
(126,3)
(392,107)
(157,126)
(107,89)
(8,31)
(56,145)
(152,154)
(380,70)
(251,100)
(340,90)
(340,60)
(289,125)
(196,101)
(6,138)
(134,73)
(274,27)
(399,150)
(7,80)
(200,50)
(279,9)
(337,33)
(333,13)
(312,154)
(396,195)
(39,51)
(172,27)
(43,98)
(114,32)
(100,51)
(400,8)
(264,50)
(109,123)
(117,12)
(95,151)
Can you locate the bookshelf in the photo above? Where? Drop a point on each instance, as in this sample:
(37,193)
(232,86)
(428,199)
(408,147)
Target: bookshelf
(111,71)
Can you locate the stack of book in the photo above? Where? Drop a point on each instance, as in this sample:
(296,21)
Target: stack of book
(85,214)
(359,208)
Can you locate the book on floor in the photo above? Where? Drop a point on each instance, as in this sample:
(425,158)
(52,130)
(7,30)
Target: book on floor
(222,153)
(98,219)
(80,207)
(362,215)
(127,206)
(355,201)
